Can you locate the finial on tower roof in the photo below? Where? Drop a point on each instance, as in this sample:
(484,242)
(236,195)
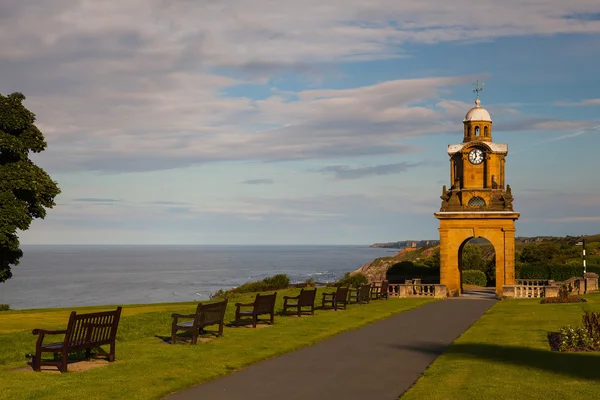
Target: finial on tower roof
(478,88)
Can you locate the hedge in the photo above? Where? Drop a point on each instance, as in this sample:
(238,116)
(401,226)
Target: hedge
(555,272)
(403,270)
(474,277)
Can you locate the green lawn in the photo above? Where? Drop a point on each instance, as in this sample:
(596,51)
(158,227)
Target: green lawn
(505,355)
(148,368)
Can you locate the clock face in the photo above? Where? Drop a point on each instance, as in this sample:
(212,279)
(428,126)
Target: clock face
(476,156)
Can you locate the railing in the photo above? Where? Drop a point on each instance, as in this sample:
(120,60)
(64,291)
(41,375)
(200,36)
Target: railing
(573,284)
(529,291)
(416,290)
(532,282)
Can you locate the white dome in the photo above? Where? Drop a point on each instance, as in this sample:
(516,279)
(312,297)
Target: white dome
(478,113)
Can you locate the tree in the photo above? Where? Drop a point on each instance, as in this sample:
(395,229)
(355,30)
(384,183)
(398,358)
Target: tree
(533,254)
(472,258)
(26,190)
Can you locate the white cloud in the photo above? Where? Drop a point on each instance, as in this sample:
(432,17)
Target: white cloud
(585,102)
(140,85)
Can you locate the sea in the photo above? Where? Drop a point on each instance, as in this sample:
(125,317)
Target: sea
(78,275)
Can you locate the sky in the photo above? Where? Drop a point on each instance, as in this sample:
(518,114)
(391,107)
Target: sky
(300,122)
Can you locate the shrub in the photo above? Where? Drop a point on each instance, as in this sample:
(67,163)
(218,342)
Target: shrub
(310,282)
(353,280)
(584,338)
(474,277)
(280,281)
(4,307)
(403,270)
(563,297)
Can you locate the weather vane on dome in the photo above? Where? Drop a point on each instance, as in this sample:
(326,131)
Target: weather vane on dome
(478,88)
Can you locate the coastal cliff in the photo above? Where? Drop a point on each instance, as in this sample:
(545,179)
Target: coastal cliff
(376,270)
(403,244)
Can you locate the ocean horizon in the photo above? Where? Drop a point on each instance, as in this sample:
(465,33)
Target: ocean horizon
(51,276)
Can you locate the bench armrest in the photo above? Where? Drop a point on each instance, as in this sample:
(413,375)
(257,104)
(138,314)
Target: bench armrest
(238,305)
(291,297)
(48,332)
(176,315)
(41,333)
(329,294)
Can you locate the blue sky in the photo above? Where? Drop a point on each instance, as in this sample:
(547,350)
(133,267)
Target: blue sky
(310,122)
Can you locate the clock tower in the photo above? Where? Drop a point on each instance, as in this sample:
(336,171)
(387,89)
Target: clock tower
(478,203)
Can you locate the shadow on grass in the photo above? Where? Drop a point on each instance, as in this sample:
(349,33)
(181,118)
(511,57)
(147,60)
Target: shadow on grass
(575,365)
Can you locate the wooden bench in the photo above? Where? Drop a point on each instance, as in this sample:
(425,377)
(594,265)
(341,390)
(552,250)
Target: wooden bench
(361,295)
(84,332)
(263,304)
(336,299)
(306,298)
(380,291)
(205,315)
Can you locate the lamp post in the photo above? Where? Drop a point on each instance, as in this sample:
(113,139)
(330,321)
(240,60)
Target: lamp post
(582,244)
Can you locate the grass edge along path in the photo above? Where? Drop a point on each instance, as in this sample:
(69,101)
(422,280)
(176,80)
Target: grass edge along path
(148,368)
(505,355)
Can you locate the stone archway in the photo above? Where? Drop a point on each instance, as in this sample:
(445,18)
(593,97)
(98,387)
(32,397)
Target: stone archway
(456,229)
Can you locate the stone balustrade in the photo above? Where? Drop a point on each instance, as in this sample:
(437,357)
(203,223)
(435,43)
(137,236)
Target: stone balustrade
(523,291)
(535,288)
(533,282)
(417,290)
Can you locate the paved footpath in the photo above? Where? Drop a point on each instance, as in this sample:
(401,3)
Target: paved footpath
(379,361)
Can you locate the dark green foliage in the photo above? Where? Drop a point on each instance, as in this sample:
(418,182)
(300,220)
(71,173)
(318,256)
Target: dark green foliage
(474,277)
(399,272)
(25,189)
(4,307)
(472,258)
(352,280)
(275,282)
(555,272)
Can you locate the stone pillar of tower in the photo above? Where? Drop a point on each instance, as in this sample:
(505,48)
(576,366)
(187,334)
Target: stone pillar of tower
(477,204)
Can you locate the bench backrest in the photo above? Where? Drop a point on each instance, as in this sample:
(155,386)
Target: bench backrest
(307,297)
(384,287)
(364,291)
(211,312)
(341,293)
(264,303)
(99,327)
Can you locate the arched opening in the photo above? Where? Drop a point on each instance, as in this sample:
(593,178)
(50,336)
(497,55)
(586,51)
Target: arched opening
(468,131)
(476,131)
(485,131)
(477,266)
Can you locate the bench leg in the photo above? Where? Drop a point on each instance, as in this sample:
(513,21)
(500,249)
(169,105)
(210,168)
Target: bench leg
(88,353)
(221,328)
(64,361)
(35,362)
(111,356)
(254,321)
(173,334)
